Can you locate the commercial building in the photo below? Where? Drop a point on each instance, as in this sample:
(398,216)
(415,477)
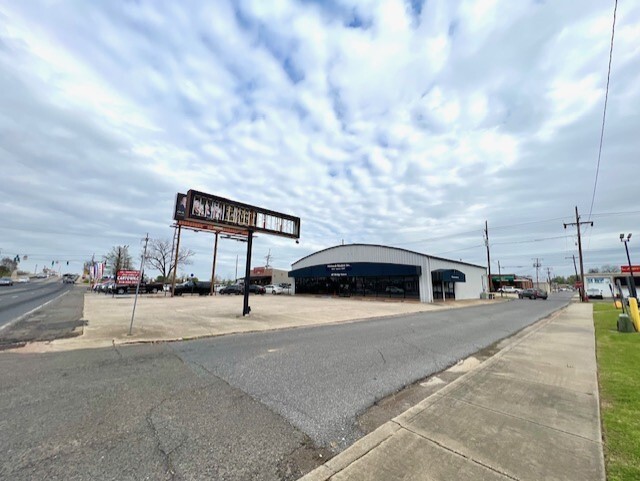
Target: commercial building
(607,283)
(269,275)
(379,271)
(503,280)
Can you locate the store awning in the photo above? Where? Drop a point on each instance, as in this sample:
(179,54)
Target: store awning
(448,275)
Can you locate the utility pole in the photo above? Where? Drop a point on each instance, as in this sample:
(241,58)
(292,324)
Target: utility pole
(549,276)
(575,268)
(500,276)
(486,242)
(537,265)
(577,223)
(268,258)
(135,300)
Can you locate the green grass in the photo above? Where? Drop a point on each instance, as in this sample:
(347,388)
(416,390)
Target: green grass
(619,377)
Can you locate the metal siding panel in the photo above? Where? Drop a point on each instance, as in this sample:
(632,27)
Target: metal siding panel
(470,289)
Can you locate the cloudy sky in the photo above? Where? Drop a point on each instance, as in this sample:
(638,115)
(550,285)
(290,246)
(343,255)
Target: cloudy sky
(403,123)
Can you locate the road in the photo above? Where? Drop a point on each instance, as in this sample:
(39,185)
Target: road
(253,406)
(320,379)
(19,299)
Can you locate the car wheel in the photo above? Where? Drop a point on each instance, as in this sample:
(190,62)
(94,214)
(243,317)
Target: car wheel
(121,291)
(154,291)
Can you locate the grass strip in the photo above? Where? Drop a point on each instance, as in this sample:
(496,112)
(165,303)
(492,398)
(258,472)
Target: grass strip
(619,379)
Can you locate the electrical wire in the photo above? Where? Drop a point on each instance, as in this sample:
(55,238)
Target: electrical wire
(604,113)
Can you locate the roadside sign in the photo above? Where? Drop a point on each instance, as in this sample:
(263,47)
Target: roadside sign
(128,277)
(626,270)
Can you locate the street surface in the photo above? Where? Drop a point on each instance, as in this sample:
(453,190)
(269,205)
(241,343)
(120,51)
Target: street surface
(19,299)
(250,406)
(320,379)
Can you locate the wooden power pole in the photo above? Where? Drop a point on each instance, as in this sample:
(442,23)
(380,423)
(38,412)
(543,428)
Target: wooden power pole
(577,223)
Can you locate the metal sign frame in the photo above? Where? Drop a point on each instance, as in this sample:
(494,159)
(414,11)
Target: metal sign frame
(225,213)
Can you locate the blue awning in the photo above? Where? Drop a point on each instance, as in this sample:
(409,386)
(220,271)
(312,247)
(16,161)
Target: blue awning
(448,275)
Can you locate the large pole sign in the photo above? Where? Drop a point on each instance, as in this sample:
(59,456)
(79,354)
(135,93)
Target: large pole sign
(200,211)
(218,211)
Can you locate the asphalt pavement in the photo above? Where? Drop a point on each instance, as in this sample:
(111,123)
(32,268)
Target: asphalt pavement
(137,413)
(320,379)
(59,318)
(264,406)
(20,299)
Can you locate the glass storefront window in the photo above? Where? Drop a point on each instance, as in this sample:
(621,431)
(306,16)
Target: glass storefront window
(400,287)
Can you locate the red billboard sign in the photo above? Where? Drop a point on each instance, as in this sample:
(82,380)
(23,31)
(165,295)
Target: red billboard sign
(129,278)
(626,270)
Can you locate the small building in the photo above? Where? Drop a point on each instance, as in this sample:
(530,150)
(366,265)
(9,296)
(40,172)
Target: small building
(368,270)
(268,275)
(607,283)
(503,280)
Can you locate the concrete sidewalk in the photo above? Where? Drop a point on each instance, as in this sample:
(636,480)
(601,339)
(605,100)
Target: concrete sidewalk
(531,412)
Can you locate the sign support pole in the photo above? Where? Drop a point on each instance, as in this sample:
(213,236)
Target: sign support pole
(175,263)
(135,301)
(213,269)
(246,310)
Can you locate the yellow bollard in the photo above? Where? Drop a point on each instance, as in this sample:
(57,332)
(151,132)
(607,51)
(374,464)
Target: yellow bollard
(635,315)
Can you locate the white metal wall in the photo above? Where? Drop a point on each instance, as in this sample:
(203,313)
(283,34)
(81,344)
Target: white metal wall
(470,289)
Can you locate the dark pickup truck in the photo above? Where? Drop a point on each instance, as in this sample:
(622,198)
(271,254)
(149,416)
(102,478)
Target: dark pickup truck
(193,287)
(145,288)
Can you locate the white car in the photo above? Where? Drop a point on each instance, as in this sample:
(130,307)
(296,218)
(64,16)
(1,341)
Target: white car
(510,290)
(273,289)
(23,280)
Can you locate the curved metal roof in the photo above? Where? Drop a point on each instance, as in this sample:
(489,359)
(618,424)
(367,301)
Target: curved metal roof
(386,247)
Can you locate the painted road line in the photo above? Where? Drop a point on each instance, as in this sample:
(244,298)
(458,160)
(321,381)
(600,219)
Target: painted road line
(26,314)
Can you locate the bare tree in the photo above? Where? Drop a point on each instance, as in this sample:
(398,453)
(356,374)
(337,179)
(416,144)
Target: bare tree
(610,268)
(161,257)
(118,259)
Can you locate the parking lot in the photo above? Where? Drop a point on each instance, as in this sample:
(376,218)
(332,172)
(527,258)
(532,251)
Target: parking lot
(162,318)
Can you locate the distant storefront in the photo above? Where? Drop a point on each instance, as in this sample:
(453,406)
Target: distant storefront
(366,270)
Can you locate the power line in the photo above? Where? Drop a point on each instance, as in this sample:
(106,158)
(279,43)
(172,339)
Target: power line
(604,112)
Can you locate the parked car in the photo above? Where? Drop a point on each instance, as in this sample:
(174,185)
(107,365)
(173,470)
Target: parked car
(273,289)
(23,280)
(232,289)
(6,281)
(509,290)
(394,290)
(257,289)
(193,287)
(594,293)
(533,294)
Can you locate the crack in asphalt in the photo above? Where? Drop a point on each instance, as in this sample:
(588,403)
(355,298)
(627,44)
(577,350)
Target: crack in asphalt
(115,348)
(166,456)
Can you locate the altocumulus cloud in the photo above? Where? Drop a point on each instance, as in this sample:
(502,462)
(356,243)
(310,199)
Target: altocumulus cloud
(391,122)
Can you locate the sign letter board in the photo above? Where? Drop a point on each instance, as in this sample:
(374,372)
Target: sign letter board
(221,212)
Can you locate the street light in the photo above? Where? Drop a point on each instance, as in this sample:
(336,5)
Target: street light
(632,285)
